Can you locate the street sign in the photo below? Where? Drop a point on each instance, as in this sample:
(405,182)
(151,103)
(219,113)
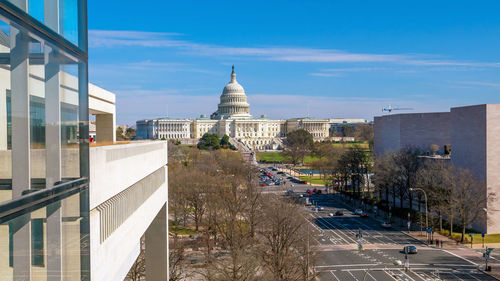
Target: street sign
(482,234)
(429,230)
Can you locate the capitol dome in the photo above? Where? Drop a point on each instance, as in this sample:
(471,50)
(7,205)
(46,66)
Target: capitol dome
(233,101)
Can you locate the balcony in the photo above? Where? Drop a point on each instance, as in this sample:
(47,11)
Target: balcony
(128,190)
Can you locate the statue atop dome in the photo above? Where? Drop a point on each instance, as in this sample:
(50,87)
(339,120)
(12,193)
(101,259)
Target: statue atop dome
(233,101)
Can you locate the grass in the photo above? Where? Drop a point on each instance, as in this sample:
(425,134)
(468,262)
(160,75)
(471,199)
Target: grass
(272,157)
(488,238)
(315,180)
(363,145)
(278,157)
(179,230)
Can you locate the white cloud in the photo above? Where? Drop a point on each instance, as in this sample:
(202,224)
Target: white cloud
(326,74)
(479,83)
(134,105)
(111,38)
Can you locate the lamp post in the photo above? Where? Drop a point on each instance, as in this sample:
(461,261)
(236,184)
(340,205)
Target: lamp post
(426,210)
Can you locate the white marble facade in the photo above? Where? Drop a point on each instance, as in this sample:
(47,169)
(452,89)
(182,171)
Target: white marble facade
(233,119)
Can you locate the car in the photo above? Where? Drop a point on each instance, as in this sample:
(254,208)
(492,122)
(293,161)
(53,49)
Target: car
(280,173)
(318,191)
(321,208)
(386,225)
(263,184)
(330,214)
(277,183)
(363,215)
(339,213)
(410,249)
(358,212)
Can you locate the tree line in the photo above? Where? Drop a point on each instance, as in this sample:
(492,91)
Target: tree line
(454,194)
(244,234)
(393,181)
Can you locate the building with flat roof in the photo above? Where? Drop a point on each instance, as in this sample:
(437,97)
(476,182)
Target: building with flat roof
(471,133)
(70,210)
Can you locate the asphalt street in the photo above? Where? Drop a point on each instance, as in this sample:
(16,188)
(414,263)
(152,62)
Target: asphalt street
(339,257)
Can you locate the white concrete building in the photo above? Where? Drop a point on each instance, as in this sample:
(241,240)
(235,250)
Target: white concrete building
(67,211)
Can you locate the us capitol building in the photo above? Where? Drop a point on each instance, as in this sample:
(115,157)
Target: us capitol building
(233,118)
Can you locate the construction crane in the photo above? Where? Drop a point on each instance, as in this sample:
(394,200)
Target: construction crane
(390,108)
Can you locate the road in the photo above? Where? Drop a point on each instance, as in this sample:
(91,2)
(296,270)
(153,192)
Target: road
(339,258)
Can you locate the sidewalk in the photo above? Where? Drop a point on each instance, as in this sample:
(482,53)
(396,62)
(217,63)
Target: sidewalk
(464,251)
(474,255)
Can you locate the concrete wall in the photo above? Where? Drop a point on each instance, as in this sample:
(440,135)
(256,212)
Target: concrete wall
(113,170)
(393,132)
(468,146)
(387,134)
(474,135)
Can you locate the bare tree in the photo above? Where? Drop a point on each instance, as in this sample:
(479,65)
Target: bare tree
(176,260)
(298,143)
(138,270)
(469,197)
(285,253)
(436,178)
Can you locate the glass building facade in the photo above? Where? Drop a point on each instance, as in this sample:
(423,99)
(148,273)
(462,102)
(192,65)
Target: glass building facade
(44,169)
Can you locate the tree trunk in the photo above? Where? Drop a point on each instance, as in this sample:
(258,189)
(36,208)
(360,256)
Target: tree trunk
(440,221)
(463,231)
(451,225)
(410,197)
(387,196)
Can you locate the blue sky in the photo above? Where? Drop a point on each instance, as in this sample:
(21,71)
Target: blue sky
(295,58)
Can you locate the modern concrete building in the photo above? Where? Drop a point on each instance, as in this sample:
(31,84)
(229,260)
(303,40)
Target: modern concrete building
(472,133)
(233,118)
(67,211)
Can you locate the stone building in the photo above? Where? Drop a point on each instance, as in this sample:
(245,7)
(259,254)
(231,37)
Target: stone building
(164,128)
(471,132)
(233,118)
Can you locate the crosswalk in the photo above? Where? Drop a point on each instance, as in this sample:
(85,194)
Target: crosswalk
(420,274)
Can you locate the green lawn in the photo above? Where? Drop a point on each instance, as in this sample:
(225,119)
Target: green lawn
(280,157)
(272,157)
(315,180)
(179,230)
(488,238)
(351,144)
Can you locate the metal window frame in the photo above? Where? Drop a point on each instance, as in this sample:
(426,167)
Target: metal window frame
(38,29)
(41,198)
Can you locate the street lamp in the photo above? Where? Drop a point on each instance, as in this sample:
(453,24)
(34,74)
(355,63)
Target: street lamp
(426,210)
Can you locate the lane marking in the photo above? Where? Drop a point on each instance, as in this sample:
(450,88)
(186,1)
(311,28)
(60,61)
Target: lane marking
(353,275)
(457,276)
(459,257)
(331,271)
